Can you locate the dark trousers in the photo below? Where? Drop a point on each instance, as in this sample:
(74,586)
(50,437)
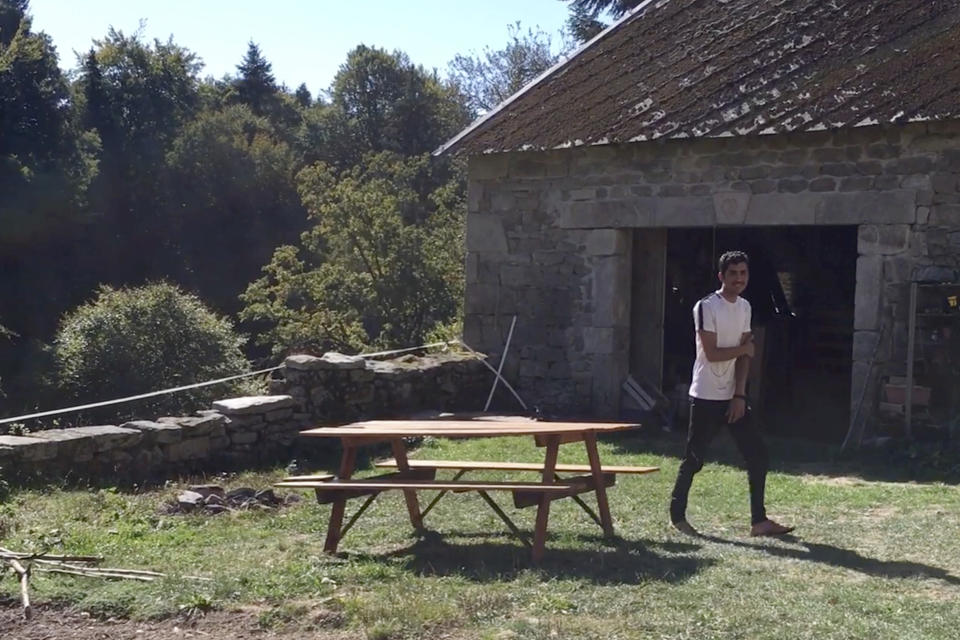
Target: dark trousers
(707,417)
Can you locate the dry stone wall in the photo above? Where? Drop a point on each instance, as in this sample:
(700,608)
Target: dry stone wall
(330,389)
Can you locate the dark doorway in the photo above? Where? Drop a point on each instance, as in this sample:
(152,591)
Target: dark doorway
(802,286)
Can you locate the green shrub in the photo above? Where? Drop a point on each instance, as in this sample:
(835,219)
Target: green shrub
(132,341)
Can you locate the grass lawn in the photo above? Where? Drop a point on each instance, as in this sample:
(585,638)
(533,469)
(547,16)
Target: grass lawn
(872,558)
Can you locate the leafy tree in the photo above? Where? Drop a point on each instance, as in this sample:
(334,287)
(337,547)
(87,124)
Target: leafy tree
(131,341)
(136,97)
(382,102)
(44,161)
(584,20)
(235,201)
(490,79)
(382,265)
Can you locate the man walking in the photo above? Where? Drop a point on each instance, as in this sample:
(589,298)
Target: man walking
(718,394)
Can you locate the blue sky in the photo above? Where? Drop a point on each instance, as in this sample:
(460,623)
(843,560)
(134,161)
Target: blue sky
(304,40)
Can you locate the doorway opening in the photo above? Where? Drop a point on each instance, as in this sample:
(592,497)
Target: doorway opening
(801,290)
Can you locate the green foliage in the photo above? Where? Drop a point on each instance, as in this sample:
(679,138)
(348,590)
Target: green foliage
(584,21)
(133,341)
(490,79)
(381,102)
(256,86)
(381,267)
(235,180)
(44,161)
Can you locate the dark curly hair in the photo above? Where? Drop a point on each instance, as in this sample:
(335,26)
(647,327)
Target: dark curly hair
(732,257)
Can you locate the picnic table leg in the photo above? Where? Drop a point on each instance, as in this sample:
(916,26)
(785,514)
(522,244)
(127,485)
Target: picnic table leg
(347,462)
(590,440)
(413,505)
(543,510)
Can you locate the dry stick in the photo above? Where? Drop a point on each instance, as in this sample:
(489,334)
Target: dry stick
(133,574)
(503,358)
(501,378)
(98,574)
(18,555)
(24,583)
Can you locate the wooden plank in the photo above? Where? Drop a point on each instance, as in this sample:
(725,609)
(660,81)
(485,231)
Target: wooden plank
(409,496)
(543,510)
(318,477)
(599,485)
(461,428)
(425,485)
(491,465)
(348,460)
(584,484)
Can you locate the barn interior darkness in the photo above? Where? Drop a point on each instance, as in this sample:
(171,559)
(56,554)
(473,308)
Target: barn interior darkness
(801,290)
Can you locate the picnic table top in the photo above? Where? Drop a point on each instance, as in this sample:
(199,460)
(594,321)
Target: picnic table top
(462,428)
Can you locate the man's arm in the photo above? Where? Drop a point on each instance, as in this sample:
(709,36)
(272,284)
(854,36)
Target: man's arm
(721,354)
(738,405)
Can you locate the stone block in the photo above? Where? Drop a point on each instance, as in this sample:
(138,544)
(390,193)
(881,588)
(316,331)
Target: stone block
(607,242)
(279,414)
(474,196)
(302,362)
(481,298)
(865,344)
(869,278)
(782,209)
(489,166)
(72,444)
(691,211)
(191,449)
(600,340)
(607,214)
(254,404)
(897,269)
(472,268)
(156,432)
(731,207)
(243,437)
(857,183)
(485,234)
(920,182)
(943,182)
(945,215)
(109,437)
(192,426)
(29,449)
(611,292)
(892,207)
(884,239)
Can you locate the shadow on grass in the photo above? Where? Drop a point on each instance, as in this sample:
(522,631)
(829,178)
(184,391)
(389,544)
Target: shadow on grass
(903,462)
(621,562)
(846,558)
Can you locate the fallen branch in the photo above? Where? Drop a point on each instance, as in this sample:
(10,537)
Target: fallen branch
(6,554)
(24,574)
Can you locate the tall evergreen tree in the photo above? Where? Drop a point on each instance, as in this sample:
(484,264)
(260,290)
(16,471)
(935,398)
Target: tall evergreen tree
(302,95)
(256,87)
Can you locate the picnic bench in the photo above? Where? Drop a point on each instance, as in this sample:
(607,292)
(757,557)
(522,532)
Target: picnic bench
(413,476)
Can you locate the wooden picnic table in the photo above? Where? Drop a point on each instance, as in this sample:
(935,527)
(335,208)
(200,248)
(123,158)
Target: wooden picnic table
(412,476)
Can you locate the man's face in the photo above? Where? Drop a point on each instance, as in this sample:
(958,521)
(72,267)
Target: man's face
(735,278)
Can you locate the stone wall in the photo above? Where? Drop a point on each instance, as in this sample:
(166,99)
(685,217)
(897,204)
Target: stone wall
(332,389)
(548,238)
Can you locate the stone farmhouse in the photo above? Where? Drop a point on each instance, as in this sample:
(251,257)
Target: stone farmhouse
(820,136)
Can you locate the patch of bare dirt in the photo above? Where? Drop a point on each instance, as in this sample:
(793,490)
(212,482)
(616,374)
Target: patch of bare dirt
(51,622)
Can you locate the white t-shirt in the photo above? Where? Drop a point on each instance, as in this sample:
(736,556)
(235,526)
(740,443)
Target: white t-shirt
(729,320)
